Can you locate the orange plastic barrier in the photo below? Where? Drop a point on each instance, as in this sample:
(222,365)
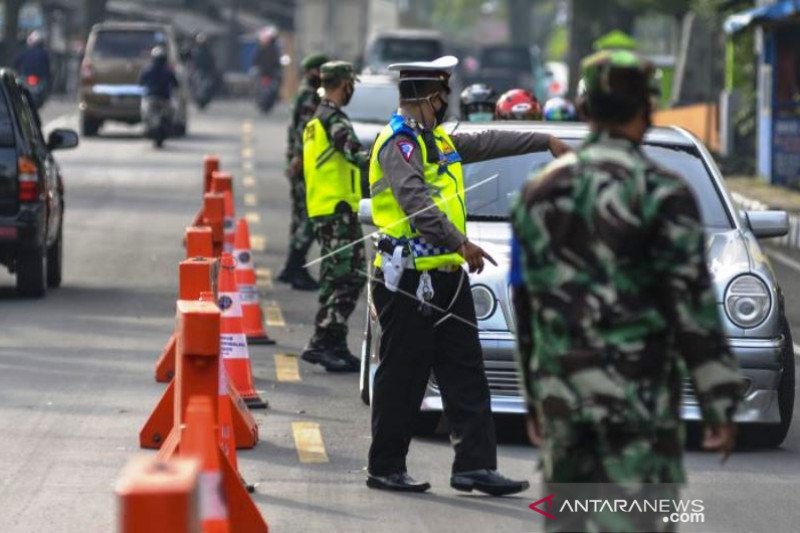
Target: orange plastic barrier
(234,342)
(252,316)
(210,165)
(222,182)
(214,217)
(159,497)
(199,242)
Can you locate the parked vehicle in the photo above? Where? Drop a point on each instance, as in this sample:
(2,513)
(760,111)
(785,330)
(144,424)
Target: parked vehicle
(374,101)
(506,67)
(750,300)
(31,191)
(115,54)
(400,46)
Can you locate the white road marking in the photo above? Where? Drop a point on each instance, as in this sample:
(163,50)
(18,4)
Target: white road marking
(250,200)
(784,259)
(249,181)
(252,217)
(258,243)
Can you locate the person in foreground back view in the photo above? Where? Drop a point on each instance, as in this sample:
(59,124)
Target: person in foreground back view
(613,297)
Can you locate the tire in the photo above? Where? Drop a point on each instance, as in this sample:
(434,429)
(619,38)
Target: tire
(32,273)
(772,435)
(55,256)
(365,349)
(90,126)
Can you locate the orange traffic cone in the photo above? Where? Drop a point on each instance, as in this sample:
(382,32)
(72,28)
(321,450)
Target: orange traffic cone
(252,318)
(233,340)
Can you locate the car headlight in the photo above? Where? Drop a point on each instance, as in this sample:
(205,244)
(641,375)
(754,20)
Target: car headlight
(747,301)
(485,301)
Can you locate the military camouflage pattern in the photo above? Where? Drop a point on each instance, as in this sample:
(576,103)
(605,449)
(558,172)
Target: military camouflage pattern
(596,68)
(341,276)
(617,303)
(341,133)
(301,232)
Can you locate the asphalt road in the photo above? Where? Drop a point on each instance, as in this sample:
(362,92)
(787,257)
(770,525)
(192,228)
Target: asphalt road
(76,368)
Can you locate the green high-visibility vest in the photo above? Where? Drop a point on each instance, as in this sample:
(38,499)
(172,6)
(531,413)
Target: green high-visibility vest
(330,178)
(444,179)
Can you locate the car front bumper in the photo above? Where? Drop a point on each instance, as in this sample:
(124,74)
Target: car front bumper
(759,359)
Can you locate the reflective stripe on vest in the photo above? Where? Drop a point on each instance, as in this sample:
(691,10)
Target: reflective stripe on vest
(330,178)
(445,181)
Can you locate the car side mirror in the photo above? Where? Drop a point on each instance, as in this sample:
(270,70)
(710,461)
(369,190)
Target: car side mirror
(767,224)
(61,139)
(365,212)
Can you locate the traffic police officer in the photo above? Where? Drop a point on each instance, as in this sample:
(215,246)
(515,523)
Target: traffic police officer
(420,290)
(612,296)
(332,162)
(301,231)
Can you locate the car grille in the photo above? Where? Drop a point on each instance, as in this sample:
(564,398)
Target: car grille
(502,382)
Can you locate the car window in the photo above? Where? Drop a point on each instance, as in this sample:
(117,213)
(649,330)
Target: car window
(490,197)
(400,50)
(373,103)
(127,44)
(6,124)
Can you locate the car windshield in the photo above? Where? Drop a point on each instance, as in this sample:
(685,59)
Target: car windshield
(392,50)
(491,185)
(121,44)
(373,102)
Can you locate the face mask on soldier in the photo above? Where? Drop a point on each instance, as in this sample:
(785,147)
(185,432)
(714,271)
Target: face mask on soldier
(349,90)
(314,80)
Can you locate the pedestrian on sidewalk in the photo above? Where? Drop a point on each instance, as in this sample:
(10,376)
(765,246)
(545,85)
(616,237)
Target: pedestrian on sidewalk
(612,297)
(332,161)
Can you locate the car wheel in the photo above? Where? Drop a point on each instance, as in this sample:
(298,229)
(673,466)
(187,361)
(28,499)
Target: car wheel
(55,254)
(32,273)
(772,435)
(365,349)
(89,126)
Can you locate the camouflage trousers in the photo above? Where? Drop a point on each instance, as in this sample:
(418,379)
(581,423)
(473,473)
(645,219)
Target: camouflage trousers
(301,230)
(581,461)
(341,275)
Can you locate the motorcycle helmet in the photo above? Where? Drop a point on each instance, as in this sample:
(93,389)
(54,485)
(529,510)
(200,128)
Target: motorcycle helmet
(559,109)
(477,103)
(158,53)
(518,104)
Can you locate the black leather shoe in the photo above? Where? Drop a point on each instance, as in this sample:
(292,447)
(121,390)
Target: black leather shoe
(343,353)
(285,275)
(302,281)
(488,481)
(398,482)
(326,358)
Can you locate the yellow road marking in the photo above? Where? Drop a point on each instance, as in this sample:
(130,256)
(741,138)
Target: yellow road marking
(264,278)
(286,367)
(274,314)
(252,217)
(309,444)
(258,243)
(249,181)
(247,165)
(247,126)
(247,153)
(250,200)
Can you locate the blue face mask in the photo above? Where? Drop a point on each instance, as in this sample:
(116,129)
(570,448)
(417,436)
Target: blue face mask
(481,116)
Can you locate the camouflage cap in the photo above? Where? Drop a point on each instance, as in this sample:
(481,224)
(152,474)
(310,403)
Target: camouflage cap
(315,60)
(597,68)
(338,70)
(615,40)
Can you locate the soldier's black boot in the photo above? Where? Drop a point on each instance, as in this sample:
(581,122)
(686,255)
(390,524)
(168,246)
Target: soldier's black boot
(319,354)
(488,481)
(302,280)
(287,273)
(343,353)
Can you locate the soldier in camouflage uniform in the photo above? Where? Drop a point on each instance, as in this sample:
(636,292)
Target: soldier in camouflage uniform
(301,231)
(613,298)
(332,159)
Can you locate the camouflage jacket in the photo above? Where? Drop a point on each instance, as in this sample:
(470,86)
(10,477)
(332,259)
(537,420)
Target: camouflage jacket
(305,104)
(341,133)
(616,300)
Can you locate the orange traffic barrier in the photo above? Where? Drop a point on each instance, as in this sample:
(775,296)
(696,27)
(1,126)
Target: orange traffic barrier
(199,242)
(159,496)
(214,217)
(210,165)
(222,182)
(234,342)
(195,276)
(225,505)
(252,316)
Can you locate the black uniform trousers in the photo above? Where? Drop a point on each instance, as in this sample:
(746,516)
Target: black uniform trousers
(411,345)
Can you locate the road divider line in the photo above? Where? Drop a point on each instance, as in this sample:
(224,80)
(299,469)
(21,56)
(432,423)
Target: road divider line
(250,200)
(258,243)
(247,152)
(249,181)
(274,315)
(252,217)
(796,350)
(247,127)
(247,165)
(286,368)
(264,278)
(309,443)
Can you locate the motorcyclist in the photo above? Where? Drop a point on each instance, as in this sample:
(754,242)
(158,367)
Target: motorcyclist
(477,103)
(267,59)
(157,78)
(202,57)
(34,62)
(559,109)
(518,104)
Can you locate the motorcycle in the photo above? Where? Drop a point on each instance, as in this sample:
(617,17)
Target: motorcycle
(157,117)
(37,87)
(267,92)
(203,86)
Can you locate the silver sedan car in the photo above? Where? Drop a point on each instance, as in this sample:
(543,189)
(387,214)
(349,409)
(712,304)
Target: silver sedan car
(749,298)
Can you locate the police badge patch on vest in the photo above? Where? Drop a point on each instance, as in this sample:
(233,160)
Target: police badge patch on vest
(406,148)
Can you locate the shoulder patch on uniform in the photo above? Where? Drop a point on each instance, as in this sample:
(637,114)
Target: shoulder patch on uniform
(406,148)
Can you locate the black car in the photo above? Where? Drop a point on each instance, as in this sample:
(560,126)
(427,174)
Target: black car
(31,191)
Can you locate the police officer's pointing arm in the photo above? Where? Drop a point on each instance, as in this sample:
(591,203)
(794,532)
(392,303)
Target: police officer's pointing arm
(491,144)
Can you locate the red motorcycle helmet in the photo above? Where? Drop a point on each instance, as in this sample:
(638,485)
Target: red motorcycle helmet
(518,104)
